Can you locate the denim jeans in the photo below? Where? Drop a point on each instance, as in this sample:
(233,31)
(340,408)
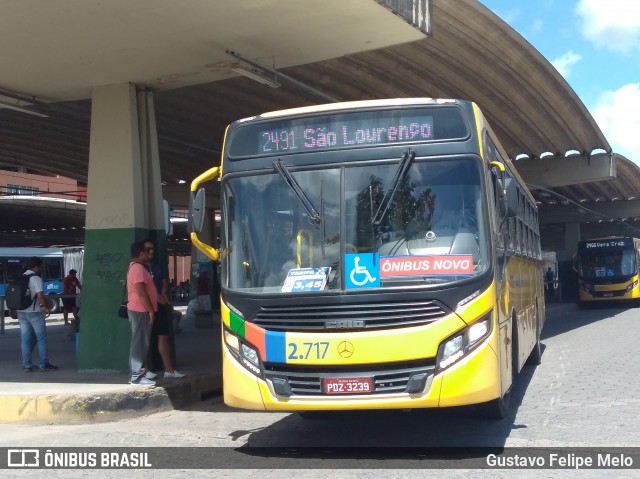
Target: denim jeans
(32,332)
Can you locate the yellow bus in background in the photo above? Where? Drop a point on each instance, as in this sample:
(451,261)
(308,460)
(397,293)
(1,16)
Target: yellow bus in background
(608,269)
(375,254)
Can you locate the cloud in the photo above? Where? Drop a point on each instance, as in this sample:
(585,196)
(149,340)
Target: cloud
(618,115)
(612,24)
(564,63)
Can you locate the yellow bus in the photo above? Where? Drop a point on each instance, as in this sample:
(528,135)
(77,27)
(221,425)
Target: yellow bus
(374,254)
(608,269)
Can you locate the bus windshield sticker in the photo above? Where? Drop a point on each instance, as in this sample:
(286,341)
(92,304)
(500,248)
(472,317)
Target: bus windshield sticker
(393,266)
(362,270)
(301,280)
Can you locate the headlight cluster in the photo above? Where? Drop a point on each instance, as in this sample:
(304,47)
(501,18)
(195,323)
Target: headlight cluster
(631,286)
(458,346)
(245,354)
(586,287)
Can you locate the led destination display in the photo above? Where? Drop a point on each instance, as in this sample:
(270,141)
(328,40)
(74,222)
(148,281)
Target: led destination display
(346,130)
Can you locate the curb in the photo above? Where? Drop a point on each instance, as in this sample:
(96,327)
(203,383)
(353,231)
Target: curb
(109,406)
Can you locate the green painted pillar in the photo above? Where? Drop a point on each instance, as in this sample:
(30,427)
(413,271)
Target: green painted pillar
(124,204)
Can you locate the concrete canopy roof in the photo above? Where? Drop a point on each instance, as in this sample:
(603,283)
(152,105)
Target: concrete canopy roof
(347,49)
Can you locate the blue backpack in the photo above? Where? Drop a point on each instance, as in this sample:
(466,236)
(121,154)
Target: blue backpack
(17,294)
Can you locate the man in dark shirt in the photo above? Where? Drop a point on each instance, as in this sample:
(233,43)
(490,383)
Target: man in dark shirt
(549,278)
(71,285)
(162,324)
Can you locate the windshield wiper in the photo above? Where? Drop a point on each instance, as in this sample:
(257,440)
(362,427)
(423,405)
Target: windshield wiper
(314,217)
(401,172)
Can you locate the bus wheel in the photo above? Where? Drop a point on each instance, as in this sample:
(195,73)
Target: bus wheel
(54,305)
(535,358)
(496,409)
(499,408)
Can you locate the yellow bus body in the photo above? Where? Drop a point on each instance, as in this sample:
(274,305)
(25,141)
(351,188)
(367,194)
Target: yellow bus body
(515,304)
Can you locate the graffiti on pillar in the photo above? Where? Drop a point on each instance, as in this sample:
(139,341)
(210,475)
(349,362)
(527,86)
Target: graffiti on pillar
(107,264)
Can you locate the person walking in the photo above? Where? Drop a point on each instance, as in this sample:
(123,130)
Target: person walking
(33,329)
(141,308)
(162,324)
(70,285)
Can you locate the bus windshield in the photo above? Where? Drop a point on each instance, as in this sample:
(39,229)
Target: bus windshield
(437,211)
(609,264)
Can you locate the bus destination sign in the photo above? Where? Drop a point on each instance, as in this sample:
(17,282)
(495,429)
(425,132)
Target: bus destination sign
(346,130)
(344,134)
(604,244)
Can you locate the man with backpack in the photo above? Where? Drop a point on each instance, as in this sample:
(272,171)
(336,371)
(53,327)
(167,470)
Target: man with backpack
(32,309)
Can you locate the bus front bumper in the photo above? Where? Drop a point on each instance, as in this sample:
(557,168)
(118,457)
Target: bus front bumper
(474,379)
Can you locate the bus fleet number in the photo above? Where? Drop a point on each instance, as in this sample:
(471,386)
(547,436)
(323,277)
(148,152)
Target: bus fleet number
(316,350)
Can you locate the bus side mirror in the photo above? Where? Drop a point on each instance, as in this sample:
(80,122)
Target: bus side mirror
(574,262)
(196,210)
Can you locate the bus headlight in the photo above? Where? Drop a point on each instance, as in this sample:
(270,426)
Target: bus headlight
(244,354)
(459,345)
(631,286)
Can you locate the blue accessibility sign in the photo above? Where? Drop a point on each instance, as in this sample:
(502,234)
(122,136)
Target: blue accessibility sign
(362,270)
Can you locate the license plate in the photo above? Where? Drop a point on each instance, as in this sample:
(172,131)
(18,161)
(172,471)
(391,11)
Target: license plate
(607,295)
(348,386)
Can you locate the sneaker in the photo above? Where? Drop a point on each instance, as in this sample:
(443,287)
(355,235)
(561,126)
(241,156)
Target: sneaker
(173,375)
(48,367)
(143,381)
(28,369)
(150,375)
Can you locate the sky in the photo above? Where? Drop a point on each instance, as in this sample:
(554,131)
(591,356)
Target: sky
(595,45)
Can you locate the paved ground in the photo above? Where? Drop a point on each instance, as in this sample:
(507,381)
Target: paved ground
(67,395)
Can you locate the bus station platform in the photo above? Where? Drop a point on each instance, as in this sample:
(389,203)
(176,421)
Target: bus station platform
(69,396)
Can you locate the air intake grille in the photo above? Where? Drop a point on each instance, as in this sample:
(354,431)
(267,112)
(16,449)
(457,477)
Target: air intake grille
(349,316)
(386,379)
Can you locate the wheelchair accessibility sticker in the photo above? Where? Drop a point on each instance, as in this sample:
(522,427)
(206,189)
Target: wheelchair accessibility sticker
(361,271)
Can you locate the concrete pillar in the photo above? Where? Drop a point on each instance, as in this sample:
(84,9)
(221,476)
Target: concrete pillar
(566,275)
(124,205)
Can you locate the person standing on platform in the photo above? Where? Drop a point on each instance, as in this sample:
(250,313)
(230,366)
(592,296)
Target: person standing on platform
(549,278)
(162,325)
(141,308)
(71,285)
(32,321)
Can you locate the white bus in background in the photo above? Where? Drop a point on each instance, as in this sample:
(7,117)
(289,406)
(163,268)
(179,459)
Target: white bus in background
(56,263)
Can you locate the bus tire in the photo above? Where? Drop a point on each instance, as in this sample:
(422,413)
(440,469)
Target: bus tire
(499,408)
(53,304)
(535,358)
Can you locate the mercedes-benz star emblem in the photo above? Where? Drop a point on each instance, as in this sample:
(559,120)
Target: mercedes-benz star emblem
(345,349)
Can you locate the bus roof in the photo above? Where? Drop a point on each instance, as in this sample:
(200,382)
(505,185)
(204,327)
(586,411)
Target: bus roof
(347,105)
(28,252)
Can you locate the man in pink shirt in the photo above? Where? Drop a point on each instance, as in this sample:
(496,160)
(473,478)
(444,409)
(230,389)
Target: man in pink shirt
(142,306)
